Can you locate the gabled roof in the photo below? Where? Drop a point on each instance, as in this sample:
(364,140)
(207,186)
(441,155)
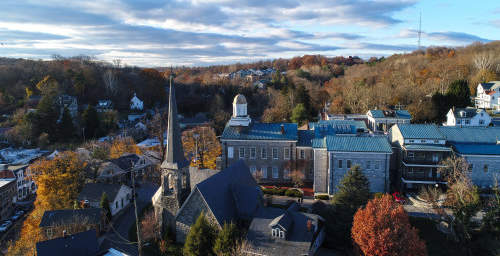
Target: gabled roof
(493,85)
(419,131)
(174,153)
(231,193)
(284,221)
(79,244)
(94,191)
(466,112)
(261,131)
(70,216)
(377,144)
(126,161)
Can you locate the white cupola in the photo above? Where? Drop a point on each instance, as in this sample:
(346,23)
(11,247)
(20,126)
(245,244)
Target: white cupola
(240,116)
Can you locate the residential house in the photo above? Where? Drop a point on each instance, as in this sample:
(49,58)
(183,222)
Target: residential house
(467,117)
(78,244)
(7,197)
(119,196)
(488,95)
(69,102)
(136,104)
(383,120)
(111,173)
(104,106)
(140,164)
(419,150)
(71,221)
(334,155)
(25,184)
(276,231)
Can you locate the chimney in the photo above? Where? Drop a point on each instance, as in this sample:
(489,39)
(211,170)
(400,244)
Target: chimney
(282,129)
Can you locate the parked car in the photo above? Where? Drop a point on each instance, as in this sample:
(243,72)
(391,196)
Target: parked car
(398,198)
(4,227)
(18,215)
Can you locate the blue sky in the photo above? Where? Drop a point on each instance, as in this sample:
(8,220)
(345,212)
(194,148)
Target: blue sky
(206,32)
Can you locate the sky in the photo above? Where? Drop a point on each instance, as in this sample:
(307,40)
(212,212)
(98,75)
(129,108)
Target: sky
(152,33)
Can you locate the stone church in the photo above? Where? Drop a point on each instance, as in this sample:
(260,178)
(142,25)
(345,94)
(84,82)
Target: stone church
(226,196)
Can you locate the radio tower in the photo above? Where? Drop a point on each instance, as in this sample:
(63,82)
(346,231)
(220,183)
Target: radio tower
(419,29)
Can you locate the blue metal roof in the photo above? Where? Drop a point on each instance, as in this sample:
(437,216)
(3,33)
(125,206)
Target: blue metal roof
(377,144)
(377,113)
(403,114)
(332,127)
(261,131)
(471,134)
(419,131)
(305,138)
(477,149)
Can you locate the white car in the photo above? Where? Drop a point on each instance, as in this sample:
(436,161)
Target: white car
(4,227)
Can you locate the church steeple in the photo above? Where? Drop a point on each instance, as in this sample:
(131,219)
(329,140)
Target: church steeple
(174,153)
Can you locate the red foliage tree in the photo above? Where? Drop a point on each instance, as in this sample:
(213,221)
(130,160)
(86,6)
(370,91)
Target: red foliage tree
(383,228)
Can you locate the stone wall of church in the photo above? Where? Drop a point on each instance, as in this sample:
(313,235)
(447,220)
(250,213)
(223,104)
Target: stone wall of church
(188,214)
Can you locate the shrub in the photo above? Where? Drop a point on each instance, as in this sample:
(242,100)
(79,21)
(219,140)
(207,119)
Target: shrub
(378,195)
(293,193)
(322,197)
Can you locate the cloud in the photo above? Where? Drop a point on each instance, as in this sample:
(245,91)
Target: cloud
(386,47)
(7,36)
(448,36)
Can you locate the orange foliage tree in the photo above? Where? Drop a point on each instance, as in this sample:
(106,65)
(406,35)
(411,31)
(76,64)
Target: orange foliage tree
(121,146)
(59,181)
(383,228)
(208,149)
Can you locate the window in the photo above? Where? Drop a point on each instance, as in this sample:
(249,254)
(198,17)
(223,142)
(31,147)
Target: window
(275,172)
(122,202)
(263,169)
(471,166)
(253,169)
(275,232)
(435,158)
(340,164)
(263,153)
(282,234)
(286,174)
(377,165)
(485,168)
(368,164)
(348,163)
(302,154)
(49,232)
(411,141)
(241,151)
(422,141)
(436,141)
(481,121)
(275,153)
(116,205)
(286,153)
(230,152)
(467,121)
(252,153)
(411,155)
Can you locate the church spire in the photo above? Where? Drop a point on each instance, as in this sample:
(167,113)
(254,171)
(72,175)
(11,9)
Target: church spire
(174,154)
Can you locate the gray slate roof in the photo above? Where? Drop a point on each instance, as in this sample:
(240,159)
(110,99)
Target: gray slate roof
(231,193)
(419,131)
(261,131)
(469,112)
(68,216)
(79,244)
(93,191)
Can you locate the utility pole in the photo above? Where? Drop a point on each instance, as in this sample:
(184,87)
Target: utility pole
(139,242)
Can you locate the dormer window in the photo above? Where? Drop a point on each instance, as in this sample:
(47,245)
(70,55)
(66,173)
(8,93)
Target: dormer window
(282,234)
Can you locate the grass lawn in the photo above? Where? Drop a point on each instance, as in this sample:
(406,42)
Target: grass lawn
(437,243)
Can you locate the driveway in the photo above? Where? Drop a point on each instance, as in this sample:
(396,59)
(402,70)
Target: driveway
(117,236)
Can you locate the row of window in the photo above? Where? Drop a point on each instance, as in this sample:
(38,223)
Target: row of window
(251,153)
(276,232)
(424,141)
(369,164)
(274,172)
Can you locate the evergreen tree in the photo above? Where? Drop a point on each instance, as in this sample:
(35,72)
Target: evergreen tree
(199,241)
(299,114)
(105,205)
(66,127)
(458,94)
(90,122)
(353,192)
(47,116)
(226,240)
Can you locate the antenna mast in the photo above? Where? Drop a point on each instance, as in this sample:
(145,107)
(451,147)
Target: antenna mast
(419,29)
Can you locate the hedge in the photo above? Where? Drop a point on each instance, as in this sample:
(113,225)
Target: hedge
(322,197)
(293,193)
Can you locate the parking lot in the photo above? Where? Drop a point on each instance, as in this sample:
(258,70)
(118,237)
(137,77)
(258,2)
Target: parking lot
(12,231)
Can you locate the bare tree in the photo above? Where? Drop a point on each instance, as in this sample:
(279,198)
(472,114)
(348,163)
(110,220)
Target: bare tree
(111,81)
(484,61)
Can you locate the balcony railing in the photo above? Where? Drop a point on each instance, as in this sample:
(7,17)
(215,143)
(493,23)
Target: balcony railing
(427,174)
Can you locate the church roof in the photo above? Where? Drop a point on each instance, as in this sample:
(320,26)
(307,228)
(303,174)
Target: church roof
(174,154)
(231,194)
(240,99)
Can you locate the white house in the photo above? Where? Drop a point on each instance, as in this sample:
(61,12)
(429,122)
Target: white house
(136,103)
(467,117)
(487,95)
(119,195)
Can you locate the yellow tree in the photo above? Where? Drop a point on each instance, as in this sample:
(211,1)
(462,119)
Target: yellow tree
(59,180)
(201,146)
(121,146)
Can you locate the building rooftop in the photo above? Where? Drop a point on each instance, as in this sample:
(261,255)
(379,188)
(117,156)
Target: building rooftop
(466,112)
(261,131)
(6,181)
(399,114)
(470,134)
(70,216)
(426,147)
(305,138)
(477,149)
(419,131)
(337,126)
(79,244)
(492,85)
(378,144)
(94,191)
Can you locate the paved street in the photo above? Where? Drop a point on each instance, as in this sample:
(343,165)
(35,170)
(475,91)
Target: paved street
(117,236)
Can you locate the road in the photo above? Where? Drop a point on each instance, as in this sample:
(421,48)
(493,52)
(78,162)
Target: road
(117,236)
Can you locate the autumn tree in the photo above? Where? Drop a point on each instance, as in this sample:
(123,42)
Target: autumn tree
(121,146)
(200,238)
(201,146)
(383,228)
(59,181)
